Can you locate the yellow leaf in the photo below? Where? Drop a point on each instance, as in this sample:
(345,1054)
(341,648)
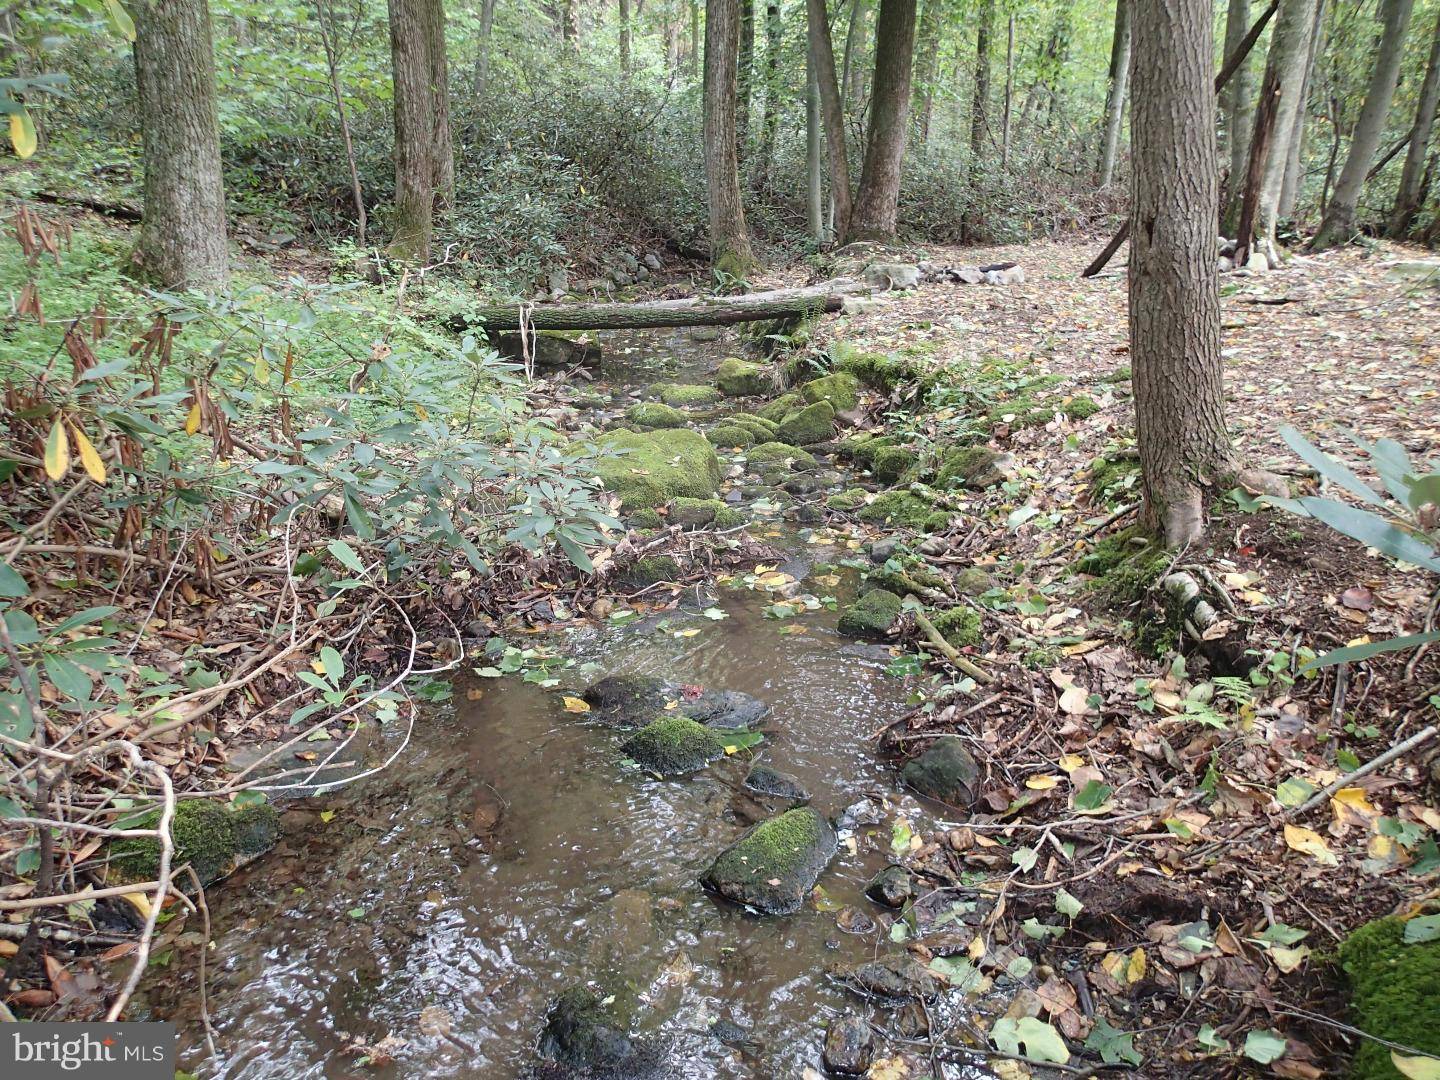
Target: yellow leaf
(1075,701)
(575,705)
(1416,1068)
(422,412)
(687,633)
(891,1068)
(120,19)
(57,451)
(139,901)
(327,816)
(1071,762)
(976,949)
(1041,782)
(192,419)
(22,134)
(1309,842)
(94,467)
(262,368)
(1352,798)
(1135,968)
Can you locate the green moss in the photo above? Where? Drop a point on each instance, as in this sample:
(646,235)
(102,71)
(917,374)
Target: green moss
(847,501)
(254,828)
(904,509)
(741,378)
(959,626)
(973,581)
(1396,994)
(876,370)
(1124,567)
(645,518)
(204,835)
(871,615)
(772,848)
(672,745)
(863,448)
(763,430)
(890,463)
(679,394)
(1113,480)
(658,466)
(729,518)
(648,415)
(699,513)
(1119,375)
(781,407)
(841,390)
(730,434)
(812,424)
(912,579)
(1081,407)
(962,466)
(651,570)
(779,454)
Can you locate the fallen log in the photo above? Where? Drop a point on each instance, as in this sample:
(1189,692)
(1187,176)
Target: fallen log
(656,314)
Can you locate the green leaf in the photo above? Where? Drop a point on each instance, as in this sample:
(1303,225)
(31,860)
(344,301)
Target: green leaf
(1042,1041)
(358,516)
(1208,1038)
(333,665)
(1352,653)
(1295,791)
(1264,1046)
(15,718)
(83,618)
(575,553)
(1422,928)
(9,808)
(68,678)
(1372,530)
(120,20)
(346,555)
(1113,1045)
(900,835)
(12,585)
(1093,795)
(1335,471)
(1280,934)
(1067,905)
(959,972)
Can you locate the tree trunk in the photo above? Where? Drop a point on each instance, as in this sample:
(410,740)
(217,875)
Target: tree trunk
(814,180)
(927,48)
(482,56)
(1238,101)
(851,81)
(424,164)
(1339,224)
(324,16)
(625,38)
(1408,198)
(770,119)
(729,240)
(1009,90)
(694,60)
(745,75)
(822,61)
(570,24)
(980,101)
(1284,75)
(182,236)
(1174,302)
(693,311)
(1119,84)
(879,193)
(1293,179)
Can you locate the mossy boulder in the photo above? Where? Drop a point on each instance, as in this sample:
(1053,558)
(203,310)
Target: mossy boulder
(649,570)
(645,518)
(780,408)
(973,581)
(812,424)
(841,390)
(673,745)
(728,435)
(775,460)
(763,430)
(915,578)
(627,700)
(740,378)
(1395,988)
(679,395)
(959,626)
(591,1033)
(946,773)
(649,415)
(847,501)
(651,468)
(208,834)
(880,371)
(703,513)
(863,448)
(904,509)
(871,615)
(773,867)
(974,467)
(890,463)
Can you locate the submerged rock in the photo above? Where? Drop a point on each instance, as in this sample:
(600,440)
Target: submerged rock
(773,867)
(895,978)
(871,615)
(848,1045)
(673,745)
(891,887)
(586,1031)
(764,780)
(723,709)
(210,835)
(946,772)
(635,700)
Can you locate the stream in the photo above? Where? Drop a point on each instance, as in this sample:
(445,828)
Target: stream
(510,853)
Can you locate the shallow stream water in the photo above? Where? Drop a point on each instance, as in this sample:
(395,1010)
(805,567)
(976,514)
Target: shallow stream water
(399,906)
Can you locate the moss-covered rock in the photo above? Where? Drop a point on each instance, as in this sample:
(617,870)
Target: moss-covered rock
(649,415)
(1125,567)
(673,745)
(779,456)
(700,513)
(763,780)
(847,501)
(880,371)
(974,467)
(841,390)
(959,626)
(1081,407)
(626,700)
(890,463)
(812,424)
(973,581)
(740,378)
(654,467)
(679,395)
(591,1033)
(649,570)
(763,430)
(781,407)
(727,434)
(910,579)
(945,772)
(904,509)
(773,867)
(871,615)
(644,518)
(863,448)
(208,834)
(1396,994)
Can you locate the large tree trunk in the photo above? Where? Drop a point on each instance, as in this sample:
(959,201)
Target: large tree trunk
(693,311)
(1408,197)
(182,235)
(424,162)
(482,53)
(1293,180)
(879,192)
(980,100)
(1009,90)
(852,81)
(927,49)
(625,38)
(1174,302)
(729,240)
(822,61)
(1339,224)
(1238,101)
(1284,76)
(770,119)
(1119,84)
(814,178)
(745,75)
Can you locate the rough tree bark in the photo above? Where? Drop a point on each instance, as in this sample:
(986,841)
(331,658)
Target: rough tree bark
(745,75)
(822,61)
(1295,142)
(770,118)
(424,163)
(1238,101)
(1009,90)
(324,16)
(927,49)
(482,51)
(852,80)
(1174,302)
(980,101)
(873,217)
(1408,196)
(1284,75)
(625,38)
(1339,224)
(182,234)
(729,240)
(1119,87)
(814,179)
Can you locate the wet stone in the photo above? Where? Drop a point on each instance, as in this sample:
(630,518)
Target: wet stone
(852,920)
(727,709)
(673,745)
(891,887)
(773,867)
(946,772)
(585,1033)
(628,701)
(848,1045)
(895,978)
(767,781)
(860,812)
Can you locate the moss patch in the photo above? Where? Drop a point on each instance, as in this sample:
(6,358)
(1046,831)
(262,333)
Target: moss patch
(728,434)
(969,466)
(959,626)
(1124,566)
(672,745)
(890,463)
(871,615)
(1081,407)
(651,570)
(841,390)
(1114,479)
(700,513)
(648,415)
(207,834)
(973,581)
(1396,989)
(912,579)
(812,424)
(780,408)
(741,378)
(680,394)
(658,466)
(780,456)
(847,501)
(645,518)
(774,866)
(880,371)
(906,510)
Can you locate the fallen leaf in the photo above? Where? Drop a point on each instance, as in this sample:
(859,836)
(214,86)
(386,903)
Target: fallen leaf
(1309,842)
(575,705)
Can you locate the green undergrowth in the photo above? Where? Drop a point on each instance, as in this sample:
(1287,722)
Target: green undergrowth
(1394,977)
